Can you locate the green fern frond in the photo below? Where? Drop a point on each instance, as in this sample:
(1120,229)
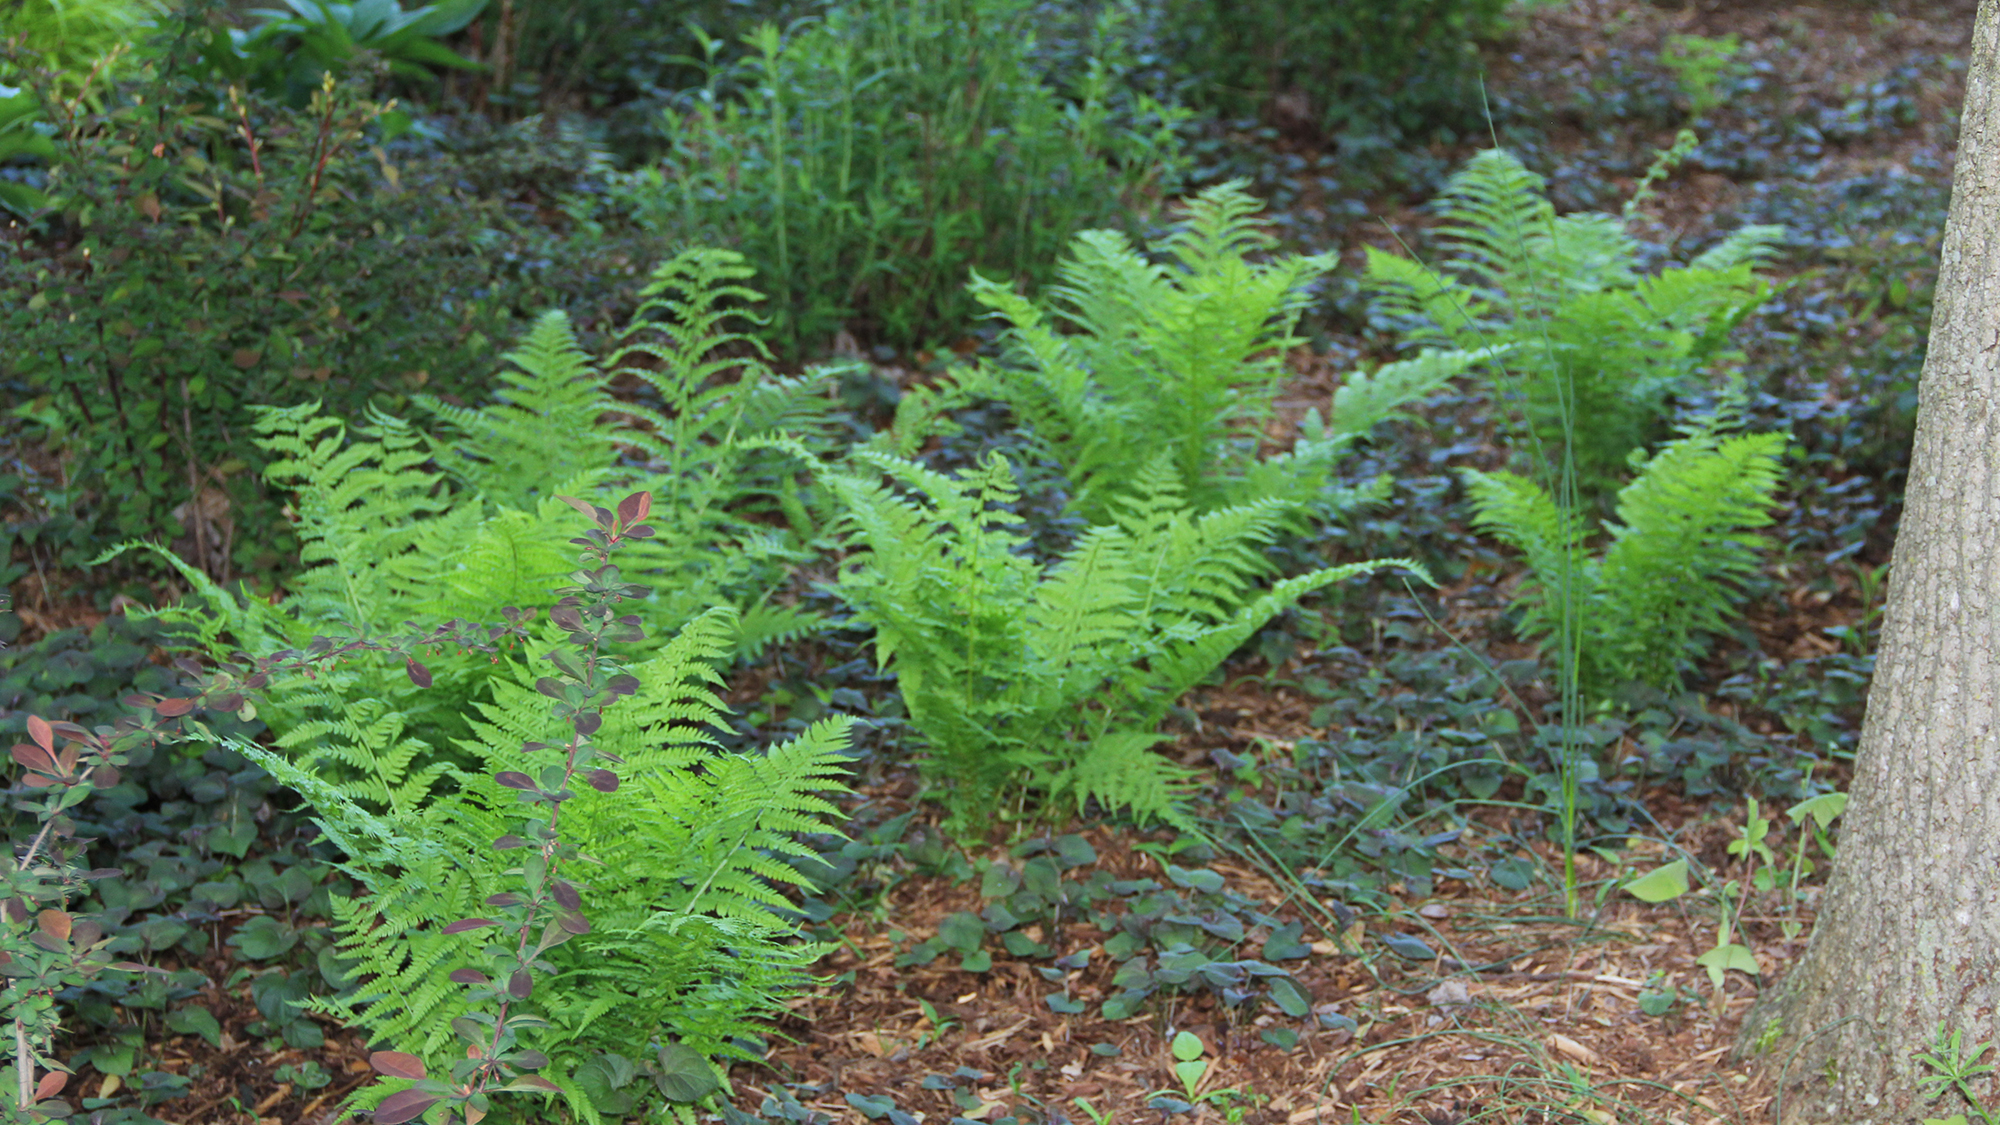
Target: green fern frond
(361,505)
(1751,245)
(1683,547)
(1014,673)
(689,941)
(1366,399)
(1679,555)
(365,744)
(543,431)
(1592,350)
(1120,771)
(1177,356)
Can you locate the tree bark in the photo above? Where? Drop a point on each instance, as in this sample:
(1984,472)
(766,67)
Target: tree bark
(1909,930)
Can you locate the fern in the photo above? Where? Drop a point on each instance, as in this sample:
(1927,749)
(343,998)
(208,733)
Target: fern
(1592,348)
(387,538)
(687,940)
(1024,679)
(1679,554)
(1180,355)
(543,431)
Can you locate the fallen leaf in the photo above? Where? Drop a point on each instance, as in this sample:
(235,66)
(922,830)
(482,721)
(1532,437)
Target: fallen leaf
(1574,1049)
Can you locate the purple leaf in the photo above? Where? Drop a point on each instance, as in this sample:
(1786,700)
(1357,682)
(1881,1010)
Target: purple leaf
(504,898)
(604,781)
(567,895)
(634,508)
(468,976)
(464,924)
(587,722)
(520,984)
(419,675)
(506,843)
(396,1064)
(643,531)
(550,686)
(405,1106)
(622,685)
(574,923)
(514,779)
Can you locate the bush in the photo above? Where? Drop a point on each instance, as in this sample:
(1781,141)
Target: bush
(1353,67)
(198,258)
(865,162)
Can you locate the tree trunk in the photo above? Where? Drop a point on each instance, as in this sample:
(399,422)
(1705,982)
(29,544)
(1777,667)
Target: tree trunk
(1909,929)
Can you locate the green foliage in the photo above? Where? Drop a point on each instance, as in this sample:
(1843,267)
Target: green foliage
(618,55)
(1360,68)
(49,949)
(291,53)
(77,673)
(1140,357)
(1954,1067)
(876,154)
(1594,347)
(1679,554)
(384,538)
(1054,680)
(722,448)
(1702,65)
(685,947)
(71,37)
(262,258)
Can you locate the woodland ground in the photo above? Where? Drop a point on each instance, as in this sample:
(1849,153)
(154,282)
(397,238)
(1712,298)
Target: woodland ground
(1518,1013)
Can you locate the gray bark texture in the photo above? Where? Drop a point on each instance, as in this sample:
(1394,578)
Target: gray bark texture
(1909,928)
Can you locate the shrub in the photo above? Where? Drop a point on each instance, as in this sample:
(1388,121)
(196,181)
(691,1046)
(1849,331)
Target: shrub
(872,157)
(1682,546)
(1594,347)
(1053,681)
(265,256)
(1183,356)
(1351,68)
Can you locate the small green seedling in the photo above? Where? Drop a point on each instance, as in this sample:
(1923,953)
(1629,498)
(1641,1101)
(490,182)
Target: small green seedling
(1660,997)
(1189,1066)
(1193,1070)
(1956,1067)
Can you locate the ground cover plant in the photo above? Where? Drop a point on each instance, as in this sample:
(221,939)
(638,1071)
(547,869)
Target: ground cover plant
(1008,696)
